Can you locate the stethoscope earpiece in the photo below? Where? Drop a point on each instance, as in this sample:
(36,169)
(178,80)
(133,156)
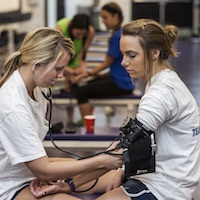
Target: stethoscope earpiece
(47,97)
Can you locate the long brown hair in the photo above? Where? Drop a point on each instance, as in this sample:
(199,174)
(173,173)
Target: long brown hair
(113,8)
(151,36)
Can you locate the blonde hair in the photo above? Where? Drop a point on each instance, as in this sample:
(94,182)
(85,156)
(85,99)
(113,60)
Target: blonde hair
(41,46)
(153,35)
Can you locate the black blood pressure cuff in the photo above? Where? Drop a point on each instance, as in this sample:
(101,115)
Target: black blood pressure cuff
(139,148)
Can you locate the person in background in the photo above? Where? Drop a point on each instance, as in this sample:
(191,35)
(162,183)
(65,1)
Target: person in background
(82,33)
(117,82)
(37,65)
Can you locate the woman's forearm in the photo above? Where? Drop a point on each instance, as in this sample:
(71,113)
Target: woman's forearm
(106,64)
(46,170)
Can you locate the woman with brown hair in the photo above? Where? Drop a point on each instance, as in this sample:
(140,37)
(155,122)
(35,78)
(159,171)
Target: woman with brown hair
(117,82)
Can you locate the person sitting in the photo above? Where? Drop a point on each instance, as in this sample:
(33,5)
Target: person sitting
(82,33)
(167,108)
(117,82)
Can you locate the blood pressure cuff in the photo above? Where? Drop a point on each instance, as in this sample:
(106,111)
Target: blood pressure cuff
(139,148)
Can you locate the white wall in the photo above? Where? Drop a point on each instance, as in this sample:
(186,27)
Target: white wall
(51,13)
(71,9)
(71,6)
(125,6)
(9,5)
(36,7)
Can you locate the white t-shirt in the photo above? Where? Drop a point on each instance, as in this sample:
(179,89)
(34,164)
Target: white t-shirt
(22,128)
(169,109)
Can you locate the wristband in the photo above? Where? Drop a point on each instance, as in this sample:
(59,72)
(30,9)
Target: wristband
(71,184)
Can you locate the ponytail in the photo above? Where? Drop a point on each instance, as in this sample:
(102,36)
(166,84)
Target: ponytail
(12,63)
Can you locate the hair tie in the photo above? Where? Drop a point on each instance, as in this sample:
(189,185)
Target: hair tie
(141,23)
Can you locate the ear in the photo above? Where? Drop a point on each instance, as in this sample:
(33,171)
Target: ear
(116,16)
(155,54)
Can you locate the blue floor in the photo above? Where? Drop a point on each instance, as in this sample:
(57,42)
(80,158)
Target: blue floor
(187,65)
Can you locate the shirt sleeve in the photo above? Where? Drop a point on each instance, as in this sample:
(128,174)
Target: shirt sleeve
(20,139)
(157,106)
(114,49)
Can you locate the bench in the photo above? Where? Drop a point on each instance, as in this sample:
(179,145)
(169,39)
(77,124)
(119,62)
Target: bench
(130,101)
(101,138)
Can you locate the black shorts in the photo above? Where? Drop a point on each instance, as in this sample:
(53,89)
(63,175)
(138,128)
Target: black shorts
(99,88)
(135,189)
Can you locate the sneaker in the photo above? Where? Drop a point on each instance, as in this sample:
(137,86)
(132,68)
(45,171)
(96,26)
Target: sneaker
(71,128)
(57,128)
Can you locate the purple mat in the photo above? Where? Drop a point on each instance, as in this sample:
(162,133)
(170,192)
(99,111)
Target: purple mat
(64,94)
(100,134)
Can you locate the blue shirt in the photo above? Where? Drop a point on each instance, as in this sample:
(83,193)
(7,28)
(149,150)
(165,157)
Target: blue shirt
(117,72)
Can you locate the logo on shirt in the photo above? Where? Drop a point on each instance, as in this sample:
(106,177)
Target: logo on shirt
(196,131)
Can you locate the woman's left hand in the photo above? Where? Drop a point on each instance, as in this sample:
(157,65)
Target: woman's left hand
(40,189)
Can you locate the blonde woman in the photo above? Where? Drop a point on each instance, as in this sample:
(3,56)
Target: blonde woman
(38,63)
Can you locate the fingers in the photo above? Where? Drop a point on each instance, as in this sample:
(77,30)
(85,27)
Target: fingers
(37,188)
(120,164)
(116,162)
(120,151)
(113,145)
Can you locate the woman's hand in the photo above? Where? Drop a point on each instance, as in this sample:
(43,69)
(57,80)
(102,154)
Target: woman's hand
(113,146)
(78,73)
(68,71)
(40,189)
(116,156)
(81,69)
(110,161)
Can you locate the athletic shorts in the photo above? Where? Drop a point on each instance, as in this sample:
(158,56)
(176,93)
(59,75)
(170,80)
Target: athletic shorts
(135,189)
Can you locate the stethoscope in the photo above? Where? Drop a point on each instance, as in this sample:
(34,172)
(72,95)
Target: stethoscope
(49,98)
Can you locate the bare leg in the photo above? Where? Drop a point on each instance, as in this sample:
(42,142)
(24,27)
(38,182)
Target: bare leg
(70,114)
(108,181)
(116,194)
(70,109)
(26,194)
(85,109)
